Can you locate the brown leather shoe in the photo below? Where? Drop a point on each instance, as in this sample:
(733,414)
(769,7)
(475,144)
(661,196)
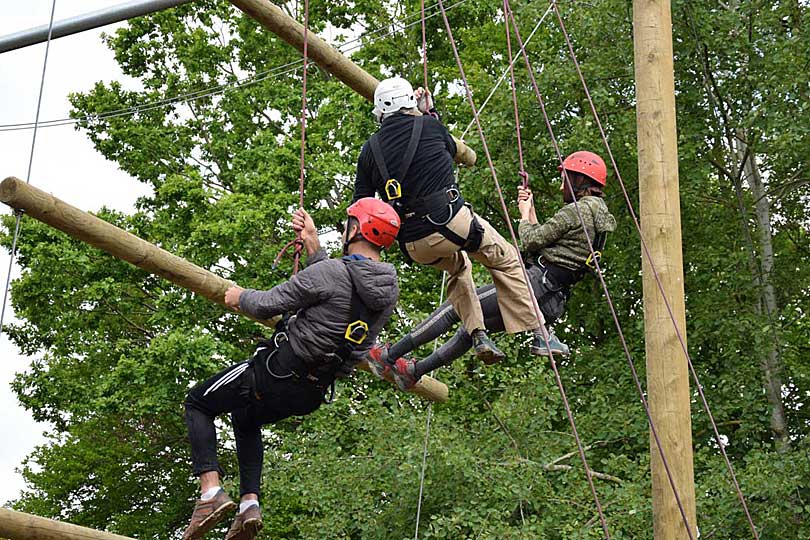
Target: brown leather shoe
(207,514)
(246,525)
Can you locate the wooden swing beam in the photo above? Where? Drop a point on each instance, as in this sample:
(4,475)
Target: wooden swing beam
(21,526)
(327,57)
(123,245)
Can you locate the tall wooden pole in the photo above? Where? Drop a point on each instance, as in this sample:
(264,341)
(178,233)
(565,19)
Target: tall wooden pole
(667,370)
(128,247)
(327,57)
(22,526)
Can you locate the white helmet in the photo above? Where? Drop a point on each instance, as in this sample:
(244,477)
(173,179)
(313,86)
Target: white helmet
(392,95)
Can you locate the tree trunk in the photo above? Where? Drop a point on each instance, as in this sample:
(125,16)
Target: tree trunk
(772,363)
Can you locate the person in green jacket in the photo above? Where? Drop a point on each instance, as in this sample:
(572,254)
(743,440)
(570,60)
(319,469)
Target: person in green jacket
(556,254)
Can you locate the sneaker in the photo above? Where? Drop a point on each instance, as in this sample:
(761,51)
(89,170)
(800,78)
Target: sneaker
(539,347)
(207,514)
(404,372)
(246,525)
(485,349)
(377,360)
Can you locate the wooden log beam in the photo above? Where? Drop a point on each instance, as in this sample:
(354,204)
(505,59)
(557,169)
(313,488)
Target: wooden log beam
(327,57)
(128,247)
(659,208)
(22,526)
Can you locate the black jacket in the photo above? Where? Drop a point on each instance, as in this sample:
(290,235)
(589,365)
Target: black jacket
(432,168)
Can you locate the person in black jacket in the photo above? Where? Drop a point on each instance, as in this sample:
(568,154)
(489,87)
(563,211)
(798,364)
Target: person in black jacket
(409,162)
(338,307)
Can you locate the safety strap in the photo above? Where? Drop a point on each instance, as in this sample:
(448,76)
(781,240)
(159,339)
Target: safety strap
(393,187)
(360,318)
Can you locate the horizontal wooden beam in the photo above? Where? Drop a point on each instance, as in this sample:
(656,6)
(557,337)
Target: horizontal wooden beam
(327,57)
(22,526)
(128,247)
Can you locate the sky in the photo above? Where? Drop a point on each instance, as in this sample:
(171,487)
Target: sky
(64,163)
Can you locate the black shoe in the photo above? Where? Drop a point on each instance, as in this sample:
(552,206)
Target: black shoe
(485,349)
(539,347)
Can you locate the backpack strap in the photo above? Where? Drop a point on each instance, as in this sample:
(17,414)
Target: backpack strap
(393,186)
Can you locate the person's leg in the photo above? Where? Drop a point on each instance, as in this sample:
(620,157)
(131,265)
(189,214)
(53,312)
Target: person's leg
(436,324)
(514,295)
(249,452)
(224,392)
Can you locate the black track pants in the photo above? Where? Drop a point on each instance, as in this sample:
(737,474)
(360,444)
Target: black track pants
(232,390)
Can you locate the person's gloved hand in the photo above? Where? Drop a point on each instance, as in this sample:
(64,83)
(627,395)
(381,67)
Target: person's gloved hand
(424,101)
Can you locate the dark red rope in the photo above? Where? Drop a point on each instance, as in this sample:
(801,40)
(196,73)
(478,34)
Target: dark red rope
(301,179)
(657,278)
(522,169)
(534,300)
(424,45)
(633,370)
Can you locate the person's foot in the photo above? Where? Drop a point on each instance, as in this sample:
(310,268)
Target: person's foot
(207,514)
(404,372)
(246,525)
(377,359)
(539,347)
(485,349)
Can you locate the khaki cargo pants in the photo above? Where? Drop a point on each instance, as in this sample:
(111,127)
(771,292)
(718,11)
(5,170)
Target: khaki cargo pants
(497,255)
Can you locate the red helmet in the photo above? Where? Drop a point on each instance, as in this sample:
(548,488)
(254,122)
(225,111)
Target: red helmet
(587,163)
(379,222)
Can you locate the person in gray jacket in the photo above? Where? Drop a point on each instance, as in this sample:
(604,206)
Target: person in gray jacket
(336,308)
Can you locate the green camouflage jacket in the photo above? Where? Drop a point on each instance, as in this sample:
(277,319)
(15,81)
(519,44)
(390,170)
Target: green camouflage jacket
(561,240)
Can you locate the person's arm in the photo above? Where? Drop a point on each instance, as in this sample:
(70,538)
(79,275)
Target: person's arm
(364,181)
(534,236)
(306,288)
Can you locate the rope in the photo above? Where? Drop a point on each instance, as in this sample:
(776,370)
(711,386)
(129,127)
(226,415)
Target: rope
(18,214)
(614,314)
(302,178)
(657,278)
(566,404)
(522,171)
(427,430)
(424,44)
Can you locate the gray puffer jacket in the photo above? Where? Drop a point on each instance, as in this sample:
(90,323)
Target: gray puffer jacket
(320,296)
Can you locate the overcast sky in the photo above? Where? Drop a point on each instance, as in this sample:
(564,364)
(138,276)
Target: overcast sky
(65,164)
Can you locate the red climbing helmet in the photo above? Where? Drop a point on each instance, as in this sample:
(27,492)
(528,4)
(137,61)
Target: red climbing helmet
(379,222)
(587,163)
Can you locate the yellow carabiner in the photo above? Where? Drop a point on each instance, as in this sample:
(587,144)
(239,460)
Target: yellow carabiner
(357,332)
(589,262)
(393,190)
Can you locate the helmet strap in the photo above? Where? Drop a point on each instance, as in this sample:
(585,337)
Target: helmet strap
(351,239)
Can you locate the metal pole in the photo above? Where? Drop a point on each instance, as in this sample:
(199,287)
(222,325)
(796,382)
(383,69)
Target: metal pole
(659,204)
(88,21)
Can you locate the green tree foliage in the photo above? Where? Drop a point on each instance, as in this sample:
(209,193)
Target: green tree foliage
(114,350)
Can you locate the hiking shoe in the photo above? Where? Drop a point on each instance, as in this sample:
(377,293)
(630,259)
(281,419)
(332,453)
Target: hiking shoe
(377,359)
(246,525)
(207,514)
(404,372)
(539,347)
(485,349)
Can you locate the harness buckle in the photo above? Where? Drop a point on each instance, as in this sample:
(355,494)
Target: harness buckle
(357,332)
(593,259)
(393,189)
(454,194)
(279,338)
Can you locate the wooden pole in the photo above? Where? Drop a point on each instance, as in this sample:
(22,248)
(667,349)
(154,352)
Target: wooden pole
(667,370)
(327,57)
(128,247)
(21,526)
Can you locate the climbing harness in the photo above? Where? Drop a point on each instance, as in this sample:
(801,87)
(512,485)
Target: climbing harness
(437,208)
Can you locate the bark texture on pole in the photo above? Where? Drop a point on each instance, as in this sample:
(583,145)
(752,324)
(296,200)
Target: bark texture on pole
(128,247)
(22,526)
(327,57)
(667,370)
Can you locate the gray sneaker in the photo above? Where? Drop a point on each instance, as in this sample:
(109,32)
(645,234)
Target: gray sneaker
(485,349)
(539,347)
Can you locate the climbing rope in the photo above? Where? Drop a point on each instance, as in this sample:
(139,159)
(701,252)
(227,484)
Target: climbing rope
(424,45)
(18,213)
(522,166)
(302,178)
(553,363)
(600,275)
(657,279)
